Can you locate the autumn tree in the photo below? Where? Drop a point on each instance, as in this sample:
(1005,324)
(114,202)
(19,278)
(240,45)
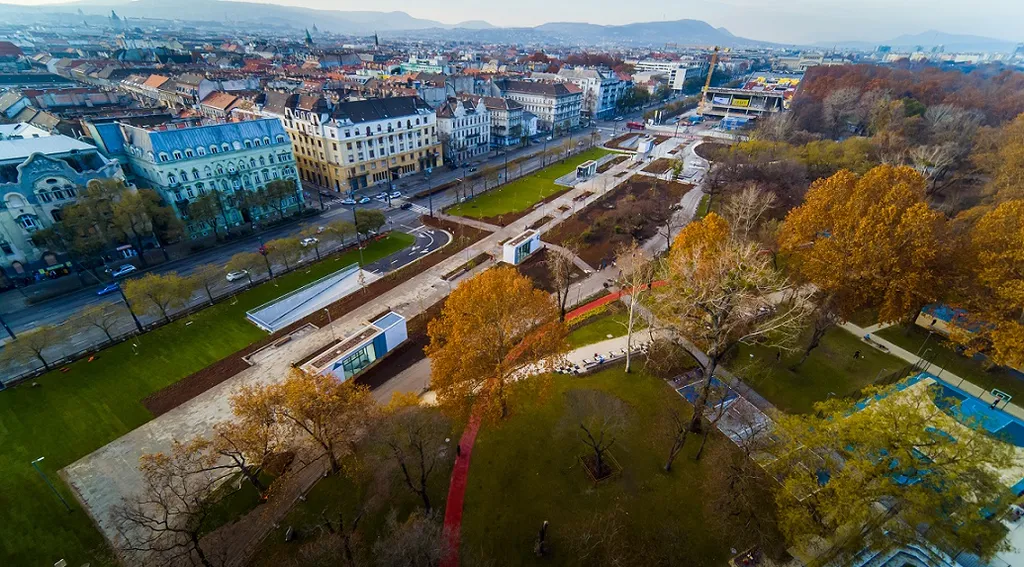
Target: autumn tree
(286,250)
(250,262)
(207,209)
(138,214)
(164,523)
(412,438)
(719,293)
(205,277)
(636,274)
(33,344)
(340,230)
(158,294)
(561,264)
(896,465)
(494,328)
(870,241)
(279,192)
(1003,159)
(312,232)
(327,413)
(98,316)
(993,294)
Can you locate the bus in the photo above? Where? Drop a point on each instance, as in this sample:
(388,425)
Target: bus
(635,125)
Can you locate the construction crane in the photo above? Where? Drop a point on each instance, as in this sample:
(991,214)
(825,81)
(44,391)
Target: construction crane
(707,83)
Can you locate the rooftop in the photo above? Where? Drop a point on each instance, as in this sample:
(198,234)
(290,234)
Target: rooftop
(18,150)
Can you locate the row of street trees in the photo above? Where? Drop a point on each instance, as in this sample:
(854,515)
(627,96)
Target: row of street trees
(311,419)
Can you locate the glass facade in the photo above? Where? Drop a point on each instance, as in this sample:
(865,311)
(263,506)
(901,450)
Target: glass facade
(522,251)
(358,360)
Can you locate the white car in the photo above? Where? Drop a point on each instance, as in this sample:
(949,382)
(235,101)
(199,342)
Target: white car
(309,241)
(124,270)
(348,201)
(237,275)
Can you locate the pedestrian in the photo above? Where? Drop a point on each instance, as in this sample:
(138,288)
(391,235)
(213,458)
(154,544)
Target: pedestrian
(458,450)
(856,354)
(778,356)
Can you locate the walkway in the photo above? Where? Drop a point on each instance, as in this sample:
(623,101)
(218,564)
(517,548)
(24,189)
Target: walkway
(945,375)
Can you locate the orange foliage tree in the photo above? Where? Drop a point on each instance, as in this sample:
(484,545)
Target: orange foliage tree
(870,241)
(494,329)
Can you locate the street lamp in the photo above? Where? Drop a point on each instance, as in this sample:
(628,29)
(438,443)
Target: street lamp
(7,328)
(35,465)
(328,312)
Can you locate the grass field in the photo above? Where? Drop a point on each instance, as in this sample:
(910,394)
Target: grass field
(605,327)
(830,371)
(72,414)
(525,471)
(940,352)
(523,193)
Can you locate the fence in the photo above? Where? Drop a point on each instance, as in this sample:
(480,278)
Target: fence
(104,343)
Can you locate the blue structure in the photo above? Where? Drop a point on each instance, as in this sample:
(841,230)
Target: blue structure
(349,356)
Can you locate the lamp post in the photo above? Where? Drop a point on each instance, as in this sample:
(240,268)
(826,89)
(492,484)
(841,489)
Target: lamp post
(7,328)
(329,323)
(35,465)
(430,194)
(359,240)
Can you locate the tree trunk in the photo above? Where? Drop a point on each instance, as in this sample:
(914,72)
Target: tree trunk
(703,441)
(677,446)
(253,478)
(702,400)
(205,561)
(815,341)
(46,365)
(629,330)
(912,320)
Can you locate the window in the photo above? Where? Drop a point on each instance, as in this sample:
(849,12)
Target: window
(189,192)
(163,156)
(248,144)
(256,142)
(225,147)
(270,158)
(195,173)
(177,154)
(266,141)
(213,149)
(263,161)
(220,170)
(266,176)
(6,247)
(28,222)
(280,139)
(45,196)
(207,172)
(252,162)
(201,151)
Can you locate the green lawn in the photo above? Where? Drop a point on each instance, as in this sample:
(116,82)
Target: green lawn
(702,207)
(830,371)
(599,329)
(525,471)
(940,352)
(72,414)
(865,318)
(525,192)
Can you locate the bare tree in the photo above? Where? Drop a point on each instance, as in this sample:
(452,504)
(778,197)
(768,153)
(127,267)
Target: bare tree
(937,164)
(636,273)
(98,316)
(778,127)
(417,542)
(560,265)
(413,438)
(747,209)
(839,107)
(598,418)
(33,345)
(205,277)
(824,317)
(163,524)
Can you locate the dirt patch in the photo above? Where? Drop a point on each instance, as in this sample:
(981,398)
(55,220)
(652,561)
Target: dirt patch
(661,139)
(583,196)
(536,268)
(634,210)
(710,150)
(611,163)
(540,222)
(660,165)
(618,141)
(172,396)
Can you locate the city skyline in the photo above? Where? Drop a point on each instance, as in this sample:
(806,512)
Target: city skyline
(801,21)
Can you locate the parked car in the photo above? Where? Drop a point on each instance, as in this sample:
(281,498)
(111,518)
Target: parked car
(110,288)
(382,196)
(472,170)
(237,275)
(124,270)
(348,201)
(619,119)
(396,194)
(406,206)
(309,241)
(364,200)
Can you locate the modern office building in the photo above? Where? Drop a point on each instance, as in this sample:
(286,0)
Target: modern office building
(356,144)
(230,159)
(39,175)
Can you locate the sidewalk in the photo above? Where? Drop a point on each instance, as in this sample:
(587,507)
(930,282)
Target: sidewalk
(947,376)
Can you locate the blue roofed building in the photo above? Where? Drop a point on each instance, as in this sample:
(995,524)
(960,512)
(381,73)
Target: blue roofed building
(234,161)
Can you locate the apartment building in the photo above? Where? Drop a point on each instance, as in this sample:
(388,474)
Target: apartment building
(556,105)
(507,128)
(601,88)
(676,72)
(355,144)
(230,159)
(465,130)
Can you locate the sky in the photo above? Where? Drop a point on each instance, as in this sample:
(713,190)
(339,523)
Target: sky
(789,21)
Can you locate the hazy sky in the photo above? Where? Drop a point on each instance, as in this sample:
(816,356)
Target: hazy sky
(772,20)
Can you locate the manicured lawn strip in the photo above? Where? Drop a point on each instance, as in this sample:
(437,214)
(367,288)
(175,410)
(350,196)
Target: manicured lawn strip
(597,330)
(702,208)
(830,371)
(525,192)
(525,471)
(941,352)
(72,414)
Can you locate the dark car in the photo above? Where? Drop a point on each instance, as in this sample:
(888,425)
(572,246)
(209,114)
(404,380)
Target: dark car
(406,206)
(110,288)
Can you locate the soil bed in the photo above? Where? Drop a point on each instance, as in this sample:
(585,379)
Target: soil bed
(634,210)
(660,165)
(611,163)
(536,268)
(710,150)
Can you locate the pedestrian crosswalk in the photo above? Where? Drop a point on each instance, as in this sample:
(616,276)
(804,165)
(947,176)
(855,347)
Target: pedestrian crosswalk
(419,209)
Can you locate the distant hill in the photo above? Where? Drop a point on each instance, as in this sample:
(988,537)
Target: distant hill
(926,40)
(683,32)
(474,25)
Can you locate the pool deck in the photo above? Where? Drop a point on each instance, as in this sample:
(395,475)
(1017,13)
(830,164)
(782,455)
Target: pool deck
(943,374)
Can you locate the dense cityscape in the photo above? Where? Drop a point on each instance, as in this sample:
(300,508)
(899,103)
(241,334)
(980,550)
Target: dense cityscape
(287,286)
